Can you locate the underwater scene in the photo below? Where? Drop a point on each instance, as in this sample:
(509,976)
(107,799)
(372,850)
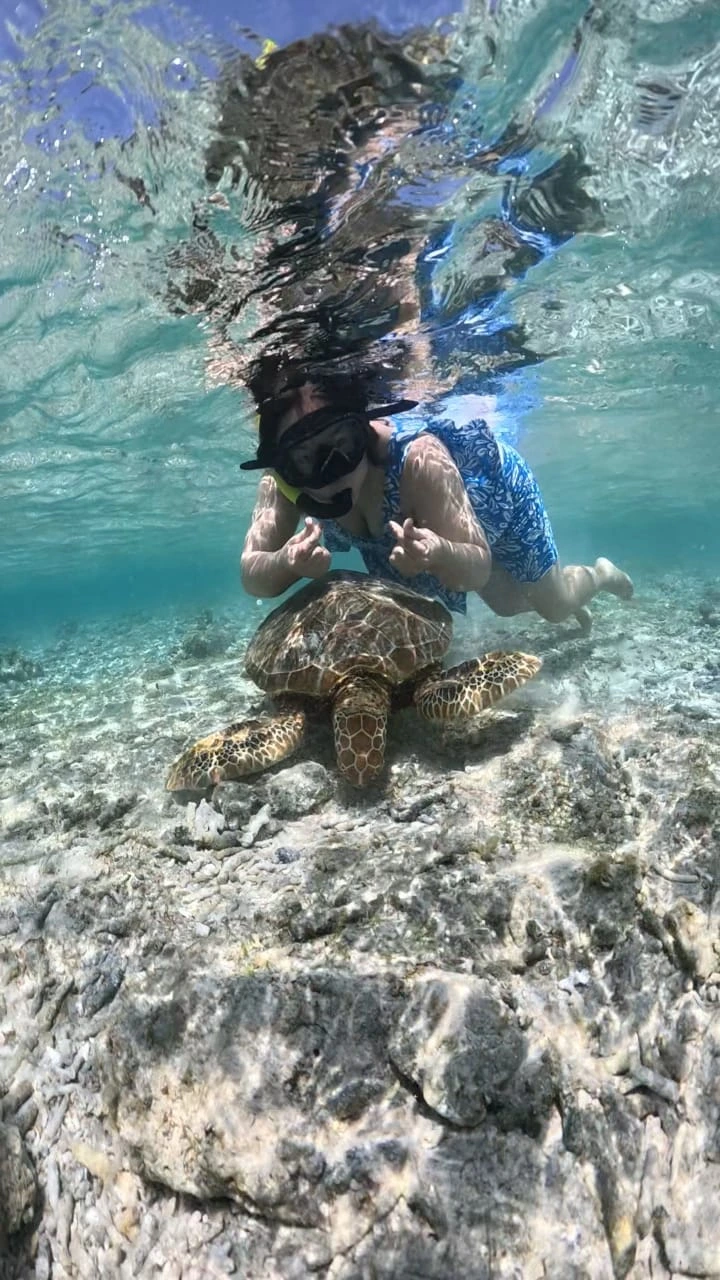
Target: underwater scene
(359,639)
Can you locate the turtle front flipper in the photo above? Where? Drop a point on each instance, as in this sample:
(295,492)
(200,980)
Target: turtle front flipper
(243,748)
(360,712)
(472,687)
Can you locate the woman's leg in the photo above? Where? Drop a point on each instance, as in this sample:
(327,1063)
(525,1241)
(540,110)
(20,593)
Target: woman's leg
(567,590)
(532,577)
(504,595)
(562,592)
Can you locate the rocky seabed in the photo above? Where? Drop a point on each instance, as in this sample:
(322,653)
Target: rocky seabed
(465,1026)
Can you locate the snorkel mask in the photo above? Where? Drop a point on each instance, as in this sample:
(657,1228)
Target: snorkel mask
(318,450)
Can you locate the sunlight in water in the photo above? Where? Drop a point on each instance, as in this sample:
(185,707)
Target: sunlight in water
(152,232)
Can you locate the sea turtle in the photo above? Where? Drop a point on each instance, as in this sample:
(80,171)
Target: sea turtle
(360,644)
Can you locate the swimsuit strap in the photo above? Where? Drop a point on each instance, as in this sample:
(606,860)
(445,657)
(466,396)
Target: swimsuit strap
(403,434)
(472,446)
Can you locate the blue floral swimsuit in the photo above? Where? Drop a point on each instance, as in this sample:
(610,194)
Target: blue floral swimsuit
(503,493)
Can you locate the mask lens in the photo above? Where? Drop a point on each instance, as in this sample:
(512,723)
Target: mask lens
(321,459)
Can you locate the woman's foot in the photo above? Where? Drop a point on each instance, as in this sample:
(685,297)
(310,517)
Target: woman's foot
(612,579)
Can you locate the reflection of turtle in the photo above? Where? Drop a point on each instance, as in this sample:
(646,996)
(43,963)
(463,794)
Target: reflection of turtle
(359,644)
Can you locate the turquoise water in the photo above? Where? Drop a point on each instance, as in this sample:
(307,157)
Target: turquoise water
(118,455)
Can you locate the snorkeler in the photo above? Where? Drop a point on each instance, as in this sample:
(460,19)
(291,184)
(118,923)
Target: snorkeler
(355,271)
(451,508)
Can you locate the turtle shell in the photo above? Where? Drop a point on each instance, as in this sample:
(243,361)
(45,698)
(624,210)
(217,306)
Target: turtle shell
(342,623)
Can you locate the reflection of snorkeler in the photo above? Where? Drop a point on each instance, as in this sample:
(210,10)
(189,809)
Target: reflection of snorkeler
(325,142)
(451,508)
(306,136)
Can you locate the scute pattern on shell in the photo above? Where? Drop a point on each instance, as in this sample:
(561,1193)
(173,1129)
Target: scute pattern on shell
(341,623)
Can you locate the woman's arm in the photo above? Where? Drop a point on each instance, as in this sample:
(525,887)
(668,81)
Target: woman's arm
(274,556)
(441,535)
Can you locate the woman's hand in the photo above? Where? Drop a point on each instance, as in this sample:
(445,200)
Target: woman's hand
(416,550)
(303,554)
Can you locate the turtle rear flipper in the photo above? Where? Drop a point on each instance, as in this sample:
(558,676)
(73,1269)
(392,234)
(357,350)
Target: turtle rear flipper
(472,687)
(241,749)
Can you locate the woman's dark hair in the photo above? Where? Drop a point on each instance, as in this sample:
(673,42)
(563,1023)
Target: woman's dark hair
(273,379)
(350,382)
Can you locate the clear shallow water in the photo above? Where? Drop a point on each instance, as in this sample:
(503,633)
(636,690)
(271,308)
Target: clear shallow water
(118,457)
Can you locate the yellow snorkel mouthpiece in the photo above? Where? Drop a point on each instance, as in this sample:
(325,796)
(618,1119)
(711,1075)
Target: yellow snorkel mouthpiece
(287,490)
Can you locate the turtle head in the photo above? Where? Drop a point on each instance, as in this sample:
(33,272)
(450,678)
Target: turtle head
(195,769)
(360,712)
